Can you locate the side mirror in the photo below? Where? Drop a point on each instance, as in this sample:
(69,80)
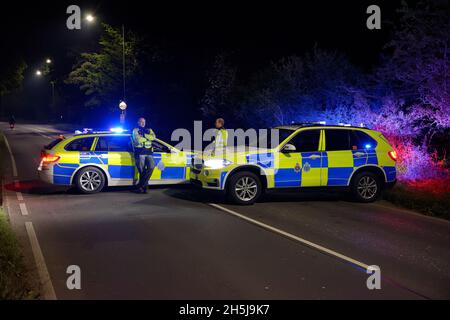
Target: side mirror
(289,148)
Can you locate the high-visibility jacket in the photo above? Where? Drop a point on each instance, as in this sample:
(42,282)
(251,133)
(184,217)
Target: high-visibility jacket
(221,139)
(142,138)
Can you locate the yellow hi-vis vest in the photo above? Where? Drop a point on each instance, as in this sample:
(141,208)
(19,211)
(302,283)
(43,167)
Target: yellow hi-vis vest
(221,139)
(144,141)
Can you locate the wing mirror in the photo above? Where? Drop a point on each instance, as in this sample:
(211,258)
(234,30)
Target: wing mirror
(289,148)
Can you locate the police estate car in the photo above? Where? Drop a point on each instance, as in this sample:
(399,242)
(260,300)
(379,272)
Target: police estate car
(307,155)
(90,161)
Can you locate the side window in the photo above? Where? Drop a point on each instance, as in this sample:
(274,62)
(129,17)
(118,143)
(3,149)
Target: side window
(306,141)
(337,139)
(82,144)
(114,143)
(361,140)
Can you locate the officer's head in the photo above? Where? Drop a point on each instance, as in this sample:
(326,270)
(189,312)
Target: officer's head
(141,122)
(220,123)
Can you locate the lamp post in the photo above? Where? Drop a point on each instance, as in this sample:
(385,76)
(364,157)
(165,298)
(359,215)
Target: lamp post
(122,107)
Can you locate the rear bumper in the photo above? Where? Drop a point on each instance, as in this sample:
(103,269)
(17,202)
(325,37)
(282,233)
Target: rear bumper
(45,175)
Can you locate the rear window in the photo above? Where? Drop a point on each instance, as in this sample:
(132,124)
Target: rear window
(114,143)
(337,139)
(53,144)
(361,140)
(82,144)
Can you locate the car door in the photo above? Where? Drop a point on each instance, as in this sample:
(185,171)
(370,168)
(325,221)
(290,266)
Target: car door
(340,157)
(300,166)
(170,164)
(116,152)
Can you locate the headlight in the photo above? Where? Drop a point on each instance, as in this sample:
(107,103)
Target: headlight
(217,163)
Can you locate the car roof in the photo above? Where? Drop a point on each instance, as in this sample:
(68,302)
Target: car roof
(96,134)
(318,126)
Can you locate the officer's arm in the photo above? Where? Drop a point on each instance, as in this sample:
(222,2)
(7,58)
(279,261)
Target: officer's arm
(150,136)
(137,137)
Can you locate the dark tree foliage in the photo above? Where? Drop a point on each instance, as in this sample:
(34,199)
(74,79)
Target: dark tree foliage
(99,74)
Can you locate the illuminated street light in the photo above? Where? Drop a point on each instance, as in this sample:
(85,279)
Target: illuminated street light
(38,73)
(48,61)
(90,18)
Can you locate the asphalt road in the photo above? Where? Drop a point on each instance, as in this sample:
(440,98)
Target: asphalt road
(173,244)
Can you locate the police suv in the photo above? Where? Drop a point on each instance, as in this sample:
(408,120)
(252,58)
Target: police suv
(305,156)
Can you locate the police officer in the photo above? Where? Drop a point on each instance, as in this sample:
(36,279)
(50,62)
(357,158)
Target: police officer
(221,138)
(143,153)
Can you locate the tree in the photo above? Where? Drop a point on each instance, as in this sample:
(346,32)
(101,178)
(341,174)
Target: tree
(11,77)
(417,70)
(220,93)
(99,74)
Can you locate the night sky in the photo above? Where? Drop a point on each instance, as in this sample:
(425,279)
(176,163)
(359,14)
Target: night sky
(190,35)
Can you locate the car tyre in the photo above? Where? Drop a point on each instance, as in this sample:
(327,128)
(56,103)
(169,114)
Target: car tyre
(244,188)
(366,187)
(90,180)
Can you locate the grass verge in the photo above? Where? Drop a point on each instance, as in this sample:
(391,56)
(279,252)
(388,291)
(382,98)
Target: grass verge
(13,273)
(430,197)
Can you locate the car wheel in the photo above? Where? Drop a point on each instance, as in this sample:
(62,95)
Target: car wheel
(366,187)
(244,188)
(90,180)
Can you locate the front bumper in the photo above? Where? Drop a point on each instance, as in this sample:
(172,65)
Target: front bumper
(208,178)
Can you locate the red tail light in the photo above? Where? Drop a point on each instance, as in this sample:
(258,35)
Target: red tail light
(50,158)
(393,155)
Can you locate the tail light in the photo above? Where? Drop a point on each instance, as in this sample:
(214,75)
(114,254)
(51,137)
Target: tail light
(50,158)
(393,154)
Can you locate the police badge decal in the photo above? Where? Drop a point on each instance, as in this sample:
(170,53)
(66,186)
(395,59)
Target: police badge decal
(307,167)
(297,168)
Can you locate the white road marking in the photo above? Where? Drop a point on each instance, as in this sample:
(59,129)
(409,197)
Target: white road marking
(23,209)
(19,196)
(48,292)
(292,237)
(13,161)
(18,193)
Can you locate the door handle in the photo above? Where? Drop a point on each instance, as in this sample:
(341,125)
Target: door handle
(314,156)
(359,154)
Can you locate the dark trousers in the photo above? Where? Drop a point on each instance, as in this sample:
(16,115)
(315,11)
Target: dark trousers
(145,165)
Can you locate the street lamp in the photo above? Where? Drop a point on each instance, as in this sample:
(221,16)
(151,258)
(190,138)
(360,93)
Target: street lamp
(38,73)
(90,18)
(122,107)
(48,61)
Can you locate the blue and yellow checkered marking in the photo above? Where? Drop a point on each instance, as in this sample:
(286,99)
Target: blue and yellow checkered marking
(264,160)
(391,173)
(94,157)
(287,178)
(62,173)
(222,178)
(120,165)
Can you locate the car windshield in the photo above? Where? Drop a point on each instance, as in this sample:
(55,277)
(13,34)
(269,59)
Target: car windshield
(265,138)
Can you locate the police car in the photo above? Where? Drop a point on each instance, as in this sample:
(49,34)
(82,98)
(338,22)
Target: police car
(307,155)
(93,160)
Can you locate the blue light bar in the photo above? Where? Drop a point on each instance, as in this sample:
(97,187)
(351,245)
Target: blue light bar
(117,130)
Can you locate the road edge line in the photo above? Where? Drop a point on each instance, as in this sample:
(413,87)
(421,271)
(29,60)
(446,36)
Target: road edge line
(48,292)
(293,237)
(13,161)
